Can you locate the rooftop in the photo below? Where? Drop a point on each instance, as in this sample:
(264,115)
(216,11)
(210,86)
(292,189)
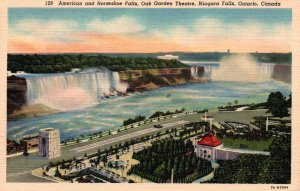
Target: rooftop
(210,140)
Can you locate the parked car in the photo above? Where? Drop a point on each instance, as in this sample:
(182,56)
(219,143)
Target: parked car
(158,126)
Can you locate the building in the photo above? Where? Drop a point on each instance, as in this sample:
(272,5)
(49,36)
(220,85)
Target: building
(207,146)
(211,148)
(168,57)
(75,70)
(30,142)
(12,147)
(10,73)
(49,143)
(20,72)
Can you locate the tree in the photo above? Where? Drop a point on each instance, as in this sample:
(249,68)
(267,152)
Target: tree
(236,102)
(289,101)
(277,104)
(229,104)
(57,173)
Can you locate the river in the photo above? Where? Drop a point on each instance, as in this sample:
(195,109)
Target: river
(111,113)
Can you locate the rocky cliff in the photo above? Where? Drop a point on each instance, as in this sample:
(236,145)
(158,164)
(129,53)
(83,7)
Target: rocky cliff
(16,93)
(282,72)
(143,80)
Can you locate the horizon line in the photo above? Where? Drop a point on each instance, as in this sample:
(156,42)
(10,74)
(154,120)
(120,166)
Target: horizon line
(290,52)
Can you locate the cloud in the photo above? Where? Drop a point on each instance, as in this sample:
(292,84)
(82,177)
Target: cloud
(209,34)
(127,34)
(121,25)
(44,30)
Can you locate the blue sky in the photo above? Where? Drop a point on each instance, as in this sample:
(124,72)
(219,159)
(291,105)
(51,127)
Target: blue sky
(44,30)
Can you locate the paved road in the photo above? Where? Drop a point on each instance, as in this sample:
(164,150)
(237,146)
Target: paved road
(127,136)
(18,168)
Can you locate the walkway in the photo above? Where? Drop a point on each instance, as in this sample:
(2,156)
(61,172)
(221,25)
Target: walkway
(241,108)
(210,176)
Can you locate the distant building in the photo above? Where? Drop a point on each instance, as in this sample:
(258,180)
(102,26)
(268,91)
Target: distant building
(75,70)
(211,148)
(168,57)
(30,142)
(12,147)
(20,72)
(49,143)
(10,73)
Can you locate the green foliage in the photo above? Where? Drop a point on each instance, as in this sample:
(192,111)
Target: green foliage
(135,120)
(57,173)
(273,57)
(41,63)
(275,168)
(157,162)
(277,104)
(160,113)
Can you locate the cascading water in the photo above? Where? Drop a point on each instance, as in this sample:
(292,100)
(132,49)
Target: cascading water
(68,91)
(194,72)
(117,84)
(233,68)
(266,68)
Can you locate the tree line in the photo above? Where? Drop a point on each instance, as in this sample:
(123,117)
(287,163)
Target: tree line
(53,63)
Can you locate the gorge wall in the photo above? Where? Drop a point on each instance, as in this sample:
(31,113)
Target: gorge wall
(144,80)
(16,93)
(282,72)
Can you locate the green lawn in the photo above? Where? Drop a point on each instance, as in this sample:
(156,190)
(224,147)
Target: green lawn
(251,144)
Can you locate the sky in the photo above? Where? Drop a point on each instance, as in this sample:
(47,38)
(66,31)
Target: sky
(113,30)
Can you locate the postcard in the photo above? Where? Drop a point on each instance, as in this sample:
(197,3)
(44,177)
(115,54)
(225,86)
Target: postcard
(150,95)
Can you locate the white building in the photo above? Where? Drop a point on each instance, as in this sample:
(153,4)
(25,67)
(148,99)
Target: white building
(49,143)
(211,148)
(206,147)
(74,70)
(168,57)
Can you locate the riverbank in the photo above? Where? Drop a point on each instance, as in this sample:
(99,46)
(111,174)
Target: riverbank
(35,110)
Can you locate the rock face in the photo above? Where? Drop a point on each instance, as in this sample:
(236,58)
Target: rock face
(16,93)
(282,72)
(144,80)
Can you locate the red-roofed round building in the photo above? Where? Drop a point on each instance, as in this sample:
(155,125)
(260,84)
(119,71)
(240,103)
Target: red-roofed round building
(211,148)
(207,146)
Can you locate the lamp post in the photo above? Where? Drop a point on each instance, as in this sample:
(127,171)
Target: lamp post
(267,124)
(172,176)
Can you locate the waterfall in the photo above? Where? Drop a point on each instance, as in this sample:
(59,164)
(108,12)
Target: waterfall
(194,72)
(266,68)
(117,84)
(67,91)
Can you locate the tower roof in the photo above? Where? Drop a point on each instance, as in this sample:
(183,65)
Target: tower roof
(210,140)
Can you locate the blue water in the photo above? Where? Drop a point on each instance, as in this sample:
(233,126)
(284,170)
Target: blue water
(111,113)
